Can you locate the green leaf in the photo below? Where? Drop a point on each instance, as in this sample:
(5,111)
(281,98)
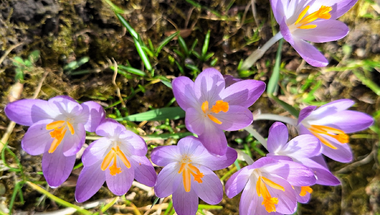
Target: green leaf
(34,55)
(126,25)
(165,42)
(156,115)
(285,105)
(115,8)
(273,81)
(205,44)
(183,45)
(142,54)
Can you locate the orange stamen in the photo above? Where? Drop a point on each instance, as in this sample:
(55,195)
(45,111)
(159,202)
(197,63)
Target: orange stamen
(220,105)
(58,133)
(322,13)
(112,156)
(187,169)
(268,201)
(305,190)
(205,106)
(337,134)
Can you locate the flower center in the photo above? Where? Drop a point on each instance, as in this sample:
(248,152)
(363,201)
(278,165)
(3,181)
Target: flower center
(269,202)
(187,169)
(304,22)
(319,130)
(60,128)
(305,190)
(112,156)
(220,105)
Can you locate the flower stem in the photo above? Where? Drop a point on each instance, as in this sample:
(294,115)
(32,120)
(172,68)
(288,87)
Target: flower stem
(260,52)
(275,117)
(256,135)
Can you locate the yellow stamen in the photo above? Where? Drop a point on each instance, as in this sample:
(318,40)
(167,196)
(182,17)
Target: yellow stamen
(268,201)
(305,190)
(112,156)
(59,132)
(71,128)
(220,105)
(302,22)
(187,169)
(337,134)
(55,125)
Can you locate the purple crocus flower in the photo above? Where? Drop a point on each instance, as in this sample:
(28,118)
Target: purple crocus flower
(188,174)
(117,158)
(211,107)
(311,20)
(331,123)
(57,130)
(267,185)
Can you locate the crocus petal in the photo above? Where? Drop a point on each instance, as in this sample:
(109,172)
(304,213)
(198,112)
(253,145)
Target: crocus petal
(73,143)
(348,121)
(309,53)
(305,112)
(57,167)
(215,162)
(96,115)
(120,183)
(285,32)
(195,121)
(96,151)
(185,203)
(278,9)
(326,31)
(208,85)
(163,155)
(342,153)
(249,201)
(322,173)
(303,146)
(302,199)
(183,90)
(190,146)
(213,139)
(278,137)
(243,93)
(339,7)
(29,111)
(65,104)
(144,171)
(237,117)
(211,189)
(237,182)
(37,138)
(89,182)
(331,108)
(168,180)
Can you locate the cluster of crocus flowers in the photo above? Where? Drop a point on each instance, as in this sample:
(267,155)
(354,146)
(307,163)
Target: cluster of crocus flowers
(211,107)
(306,20)
(57,130)
(188,174)
(117,158)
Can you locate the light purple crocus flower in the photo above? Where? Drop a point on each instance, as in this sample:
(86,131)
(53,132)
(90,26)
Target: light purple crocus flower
(267,185)
(117,158)
(331,123)
(311,20)
(188,174)
(211,107)
(57,130)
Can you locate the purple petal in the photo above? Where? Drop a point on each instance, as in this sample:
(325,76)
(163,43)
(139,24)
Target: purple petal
(185,203)
(229,79)
(302,199)
(96,151)
(120,183)
(96,115)
(237,117)
(339,7)
(29,111)
(168,181)
(249,201)
(305,112)
(278,137)
(326,31)
(322,173)
(214,140)
(190,146)
(287,200)
(309,53)
(37,139)
(243,93)
(57,167)
(342,153)
(332,107)
(163,155)
(65,104)
(184,93)
(278,9)
(90,180)
(237,182)
(211,189)
(217,162)
(73,143)
(195,121)
(303,146)
(144,171)
(208,85)
(285,32)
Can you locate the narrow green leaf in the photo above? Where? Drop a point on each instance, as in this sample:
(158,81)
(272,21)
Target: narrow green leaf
(115,8)
(183,45)
(286,106)
(205,44)
(213,62)
(34,55)
(208,56)
(156,115)
(142,54)
(126,25)
(368,82)
(192,67)
(131,70)
(165,42)
(148,51)
(195,53)
(273,81)
(194,44)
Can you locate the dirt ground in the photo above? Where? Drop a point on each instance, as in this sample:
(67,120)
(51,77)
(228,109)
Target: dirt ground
(67,31)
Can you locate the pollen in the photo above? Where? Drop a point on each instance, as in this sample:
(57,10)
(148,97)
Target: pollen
(220,106)
(112,156)
(59,130)
(304,22)
(305,190)
(319,130)
(187,170)
(261,188)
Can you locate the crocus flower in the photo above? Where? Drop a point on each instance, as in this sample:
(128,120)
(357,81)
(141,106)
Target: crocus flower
(311,20)
(267,185)
(117,158)
(211,107)
(188,174)
(57,130)
(331,123)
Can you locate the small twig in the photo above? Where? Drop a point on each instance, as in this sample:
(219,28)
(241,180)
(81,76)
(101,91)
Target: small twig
(114,83)
(8,51)
(40,85)
(356,164)
(254,12)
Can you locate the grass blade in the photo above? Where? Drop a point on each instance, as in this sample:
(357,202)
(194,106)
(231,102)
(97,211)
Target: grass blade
(156,115)
(165,42)
(272,85)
